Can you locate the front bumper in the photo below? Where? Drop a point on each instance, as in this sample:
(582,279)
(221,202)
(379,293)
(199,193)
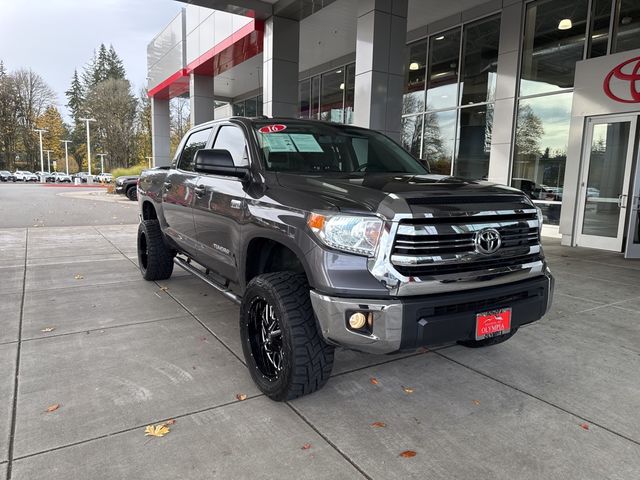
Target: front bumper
(412,322)
(119,188)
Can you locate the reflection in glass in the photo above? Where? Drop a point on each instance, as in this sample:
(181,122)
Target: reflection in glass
(412,134)
(439,140)
(331,100)
(480,61)
(628,26)
(442,79)
(349,93)
(259,105)
(474,142)
(238,109)
(415,68)
(315,97)
(542,133)
(304,98)
(250,109)
(553,43)
(600,20)
(607,164)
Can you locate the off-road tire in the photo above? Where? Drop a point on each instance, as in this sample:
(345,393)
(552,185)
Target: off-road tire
(307,360)
(155,259)
(132,193)
(487,342)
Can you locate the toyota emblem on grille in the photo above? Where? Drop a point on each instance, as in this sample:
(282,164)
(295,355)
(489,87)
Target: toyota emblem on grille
(488,241)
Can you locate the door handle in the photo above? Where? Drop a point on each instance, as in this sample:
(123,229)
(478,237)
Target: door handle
(200,190)
(622,200)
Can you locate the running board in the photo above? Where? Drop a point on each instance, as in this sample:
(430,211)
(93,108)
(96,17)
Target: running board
(202,276)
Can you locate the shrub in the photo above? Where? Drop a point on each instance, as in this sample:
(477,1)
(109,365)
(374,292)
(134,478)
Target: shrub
(135,170)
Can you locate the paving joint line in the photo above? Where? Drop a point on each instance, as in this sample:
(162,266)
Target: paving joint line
(131,429)
(540,399)
(329,442)
(14,413)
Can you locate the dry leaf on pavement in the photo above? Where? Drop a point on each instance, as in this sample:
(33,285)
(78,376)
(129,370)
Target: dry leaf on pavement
(373,380)
(53,408)
(378,424)
(241,396)
(407,389)
(164,289)
(584,426)
(170,422)
(476,402)
(408,454)
(48,329)
(156,430)
(306,446)
(77,276)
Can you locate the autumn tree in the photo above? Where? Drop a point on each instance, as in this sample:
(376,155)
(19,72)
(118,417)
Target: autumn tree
(179,113)
(8,120)
(51,120)
(529,132)
(143,127)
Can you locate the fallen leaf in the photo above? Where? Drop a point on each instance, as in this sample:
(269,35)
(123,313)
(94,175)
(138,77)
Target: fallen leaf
(306,446)
(379,424)
(423,350)
(164,289)
(48,329)
(156,430)
(77,276)
(584,426)
(407,390)
(53,408)
(373,380)
(476,402)
(408,454)
(241,396)
(170,422)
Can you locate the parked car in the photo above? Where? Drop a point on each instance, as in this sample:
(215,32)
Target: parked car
(7,176)
(333,235)
(83,176)
(25,176)
(104,178)
(61,177)
(128,185)
(46,176)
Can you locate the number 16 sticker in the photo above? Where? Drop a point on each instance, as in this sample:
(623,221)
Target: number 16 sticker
(272,128)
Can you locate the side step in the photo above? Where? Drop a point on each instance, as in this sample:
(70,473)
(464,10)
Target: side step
(202,276)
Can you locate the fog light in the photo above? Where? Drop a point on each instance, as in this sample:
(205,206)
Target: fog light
(357,320)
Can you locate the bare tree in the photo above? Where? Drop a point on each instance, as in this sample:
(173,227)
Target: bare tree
(179,111)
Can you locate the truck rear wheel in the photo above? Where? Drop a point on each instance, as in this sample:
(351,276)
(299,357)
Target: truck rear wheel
(285,353)
(132,193)
(487,342)
(155,259)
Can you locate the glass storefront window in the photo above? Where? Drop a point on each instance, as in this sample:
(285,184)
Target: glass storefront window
(304,98)
(600,20)
(627,28)
(480,61)
(415,68)
(439,140)
(542,134)
(474,142)
(411,135)
(315,97)
(259,101)
(442,76)
(349,93)
(250,108)
(331,99)
(554,36)
(238,109)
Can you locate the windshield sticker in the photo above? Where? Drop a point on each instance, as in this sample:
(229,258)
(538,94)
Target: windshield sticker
(272,128)
(306,142)
(279,142)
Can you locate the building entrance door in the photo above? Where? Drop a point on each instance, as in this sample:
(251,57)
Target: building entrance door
(607,162)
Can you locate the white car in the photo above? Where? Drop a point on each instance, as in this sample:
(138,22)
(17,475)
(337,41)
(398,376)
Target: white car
(104,178)
(61,177)
(25,176)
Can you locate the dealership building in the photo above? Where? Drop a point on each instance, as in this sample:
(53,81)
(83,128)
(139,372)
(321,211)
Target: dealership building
(543,95)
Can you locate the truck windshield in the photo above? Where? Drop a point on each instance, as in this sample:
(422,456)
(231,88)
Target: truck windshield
(325,148)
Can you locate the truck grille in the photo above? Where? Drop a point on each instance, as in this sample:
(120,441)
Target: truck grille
(446,245)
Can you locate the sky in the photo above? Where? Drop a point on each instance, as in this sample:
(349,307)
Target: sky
(53,37)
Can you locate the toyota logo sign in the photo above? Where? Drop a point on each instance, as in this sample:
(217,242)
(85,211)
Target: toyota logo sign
(622,84)
(488,241)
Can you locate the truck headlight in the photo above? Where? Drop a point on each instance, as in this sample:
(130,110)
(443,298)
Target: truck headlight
(349,233)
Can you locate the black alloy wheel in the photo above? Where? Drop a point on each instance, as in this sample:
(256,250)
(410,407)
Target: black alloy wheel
(265,338)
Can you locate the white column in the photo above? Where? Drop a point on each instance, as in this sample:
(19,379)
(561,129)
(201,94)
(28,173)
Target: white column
(160,131)
(201,98)
(381,34)
(280,67)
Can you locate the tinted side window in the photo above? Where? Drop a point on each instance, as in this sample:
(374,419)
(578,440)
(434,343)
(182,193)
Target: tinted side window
(231,138)
(196,141)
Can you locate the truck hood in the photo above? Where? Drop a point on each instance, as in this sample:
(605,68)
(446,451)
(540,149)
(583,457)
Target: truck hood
(357,192)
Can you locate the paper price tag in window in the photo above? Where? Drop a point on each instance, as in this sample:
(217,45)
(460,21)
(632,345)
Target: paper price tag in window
(279,142)
(306,142)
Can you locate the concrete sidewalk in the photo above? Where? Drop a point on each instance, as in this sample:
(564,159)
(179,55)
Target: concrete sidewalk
(83,330)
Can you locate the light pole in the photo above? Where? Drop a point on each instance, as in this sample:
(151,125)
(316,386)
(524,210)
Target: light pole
(149,159)
(66,153)
(41,131)
(101,155)
(87,120)
(48,161)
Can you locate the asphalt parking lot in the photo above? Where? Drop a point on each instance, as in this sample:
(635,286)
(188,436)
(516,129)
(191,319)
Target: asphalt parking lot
(81,330)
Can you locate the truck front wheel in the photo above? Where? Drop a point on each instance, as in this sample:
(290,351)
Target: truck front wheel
(285,353)
(155,259)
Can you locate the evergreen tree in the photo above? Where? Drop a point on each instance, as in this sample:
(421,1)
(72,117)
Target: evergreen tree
(75,96)
(101,70)
(115,67)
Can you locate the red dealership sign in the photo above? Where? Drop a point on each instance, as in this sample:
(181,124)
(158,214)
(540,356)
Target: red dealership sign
(622,84)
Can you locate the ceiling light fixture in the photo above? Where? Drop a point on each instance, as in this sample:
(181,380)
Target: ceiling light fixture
(342,86)
(414,66)
(565,24)
(440,37)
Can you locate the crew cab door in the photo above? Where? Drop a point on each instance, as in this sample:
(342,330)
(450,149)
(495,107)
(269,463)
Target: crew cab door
(219,207)
(178,192)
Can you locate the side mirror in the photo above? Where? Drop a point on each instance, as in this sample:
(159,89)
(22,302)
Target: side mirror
(218,162)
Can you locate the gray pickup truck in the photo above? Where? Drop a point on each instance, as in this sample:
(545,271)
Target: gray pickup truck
(332,235)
